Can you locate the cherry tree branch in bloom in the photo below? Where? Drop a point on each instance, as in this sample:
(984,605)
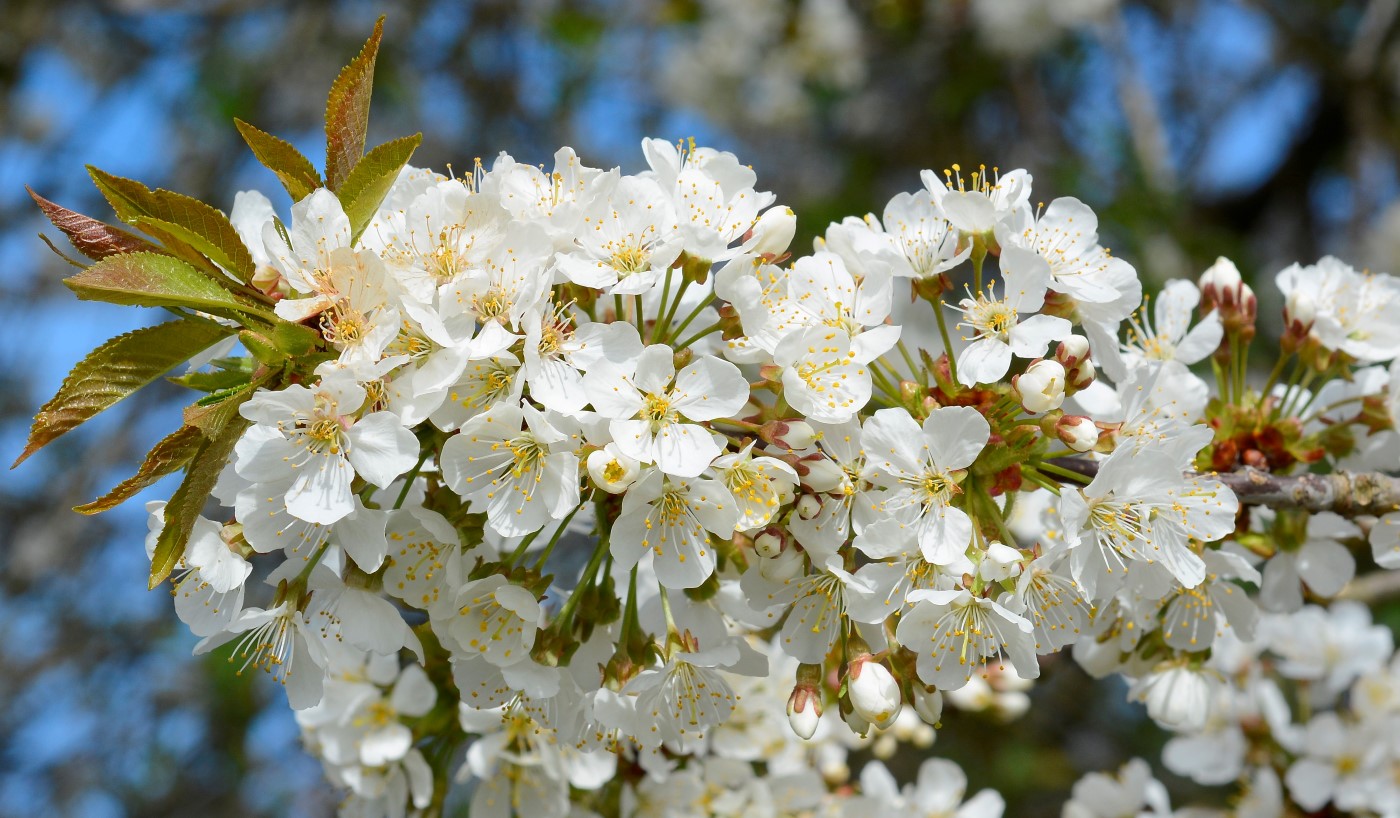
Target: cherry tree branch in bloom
(1350,494)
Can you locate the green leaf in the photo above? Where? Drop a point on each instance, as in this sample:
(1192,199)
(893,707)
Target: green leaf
(166,457)
(116,369)
(131,200)
(229,373)
(295,171)
(261,348)
(152,280)
(294,339)
(89,236)
(213,413)
(203,227)
(188,500)
(347,111)
(369,182)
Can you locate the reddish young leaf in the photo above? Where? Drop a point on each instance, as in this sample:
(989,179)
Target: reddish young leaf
(92,238)
(347,111)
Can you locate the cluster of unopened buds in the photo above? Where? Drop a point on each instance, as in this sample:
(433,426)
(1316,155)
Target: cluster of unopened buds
(564,481)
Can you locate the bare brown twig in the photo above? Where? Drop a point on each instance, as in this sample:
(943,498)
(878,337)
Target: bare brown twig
(1350,494)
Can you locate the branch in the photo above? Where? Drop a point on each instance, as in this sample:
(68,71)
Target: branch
(1350,494)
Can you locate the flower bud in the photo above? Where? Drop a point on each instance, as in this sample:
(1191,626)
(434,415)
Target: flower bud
(808,506)
(928,703)
(772,233)
(1178,698)
(1080,377)
(611,470)
(859,724)
(269,280)
(1000,562)
(785,566)
(1219,283)
(822,474)
(804,707)
(789,434)
(873,691)
(1224,290)
(770,543)
(1072,350)
(786,492)
(1041,387)
(1077,432)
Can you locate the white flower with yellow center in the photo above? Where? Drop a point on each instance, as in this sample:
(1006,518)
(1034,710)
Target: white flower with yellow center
(1065,235)
(558,351)
(680,702)
(495,619)
(282,643)
(446,233)
(920,469)
(826,376)
(713,194)
(302,254)
(521,477)
(308,444)
(627,241)
(652,409)
(977,204)
(759,485)
(952,632)
(1001,327)
(673,519)
(1141,508)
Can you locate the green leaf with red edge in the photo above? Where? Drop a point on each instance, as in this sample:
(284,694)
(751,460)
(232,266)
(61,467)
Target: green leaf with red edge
(201,473)
(154,280)
(92,238)
(294,171)
(347,111)
(367,185)
(115,370)
(166,457)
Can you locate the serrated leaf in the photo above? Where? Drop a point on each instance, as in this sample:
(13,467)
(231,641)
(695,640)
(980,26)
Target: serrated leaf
(369,182)
(128,197)
(203,227)
(261,347)
(152,280)
(166,457)
(92,238)
(347,111)
(131,200)
(116,369)
(188,500)
(218,381)
(294,171)
(212,413)
(294,339)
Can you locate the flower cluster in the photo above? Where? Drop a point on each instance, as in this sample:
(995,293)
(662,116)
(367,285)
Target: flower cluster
(563,481)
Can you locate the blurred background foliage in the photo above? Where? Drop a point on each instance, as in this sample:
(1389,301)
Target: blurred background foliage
(1266,131)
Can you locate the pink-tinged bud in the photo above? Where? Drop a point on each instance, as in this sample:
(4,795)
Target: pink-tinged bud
(1224,290)
(822,474)
(928,703)
(1072,350)
(1077,432)
(271,282)
(794,435)
(1080,376)
(873,691)
(808,506)
(769,543)
(804,706)
(1041,387)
